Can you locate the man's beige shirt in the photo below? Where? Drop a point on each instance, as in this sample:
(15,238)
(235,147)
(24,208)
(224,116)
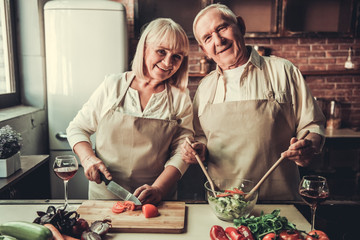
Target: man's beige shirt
(288,86)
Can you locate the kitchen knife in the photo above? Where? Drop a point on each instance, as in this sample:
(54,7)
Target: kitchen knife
(119,190)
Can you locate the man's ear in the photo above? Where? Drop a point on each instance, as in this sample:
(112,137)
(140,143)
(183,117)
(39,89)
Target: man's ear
(241,25)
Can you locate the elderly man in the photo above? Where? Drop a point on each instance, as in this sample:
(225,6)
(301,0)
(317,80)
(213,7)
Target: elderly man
(250,110)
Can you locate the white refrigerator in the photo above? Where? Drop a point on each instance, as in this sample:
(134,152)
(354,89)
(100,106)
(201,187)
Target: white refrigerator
(84,41)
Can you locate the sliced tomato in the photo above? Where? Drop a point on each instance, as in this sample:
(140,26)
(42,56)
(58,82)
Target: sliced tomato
(269,236)
(118,207)
(129,205)
(224,195)
(316,235)
(150,210)
(238,191)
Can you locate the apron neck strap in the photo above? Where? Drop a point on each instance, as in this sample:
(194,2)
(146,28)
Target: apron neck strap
(213,90)
(127,85)
(124,89)
(170,100)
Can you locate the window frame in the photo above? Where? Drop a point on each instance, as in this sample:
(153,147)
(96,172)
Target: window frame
(10,99)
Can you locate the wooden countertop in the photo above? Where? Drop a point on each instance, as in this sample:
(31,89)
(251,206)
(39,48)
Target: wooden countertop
(28,164)
(198,218)
(342,133)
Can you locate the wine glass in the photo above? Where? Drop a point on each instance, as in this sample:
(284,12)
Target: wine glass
(313,190)
(65,167)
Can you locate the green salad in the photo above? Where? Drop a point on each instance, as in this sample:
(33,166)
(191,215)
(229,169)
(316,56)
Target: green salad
(230,204)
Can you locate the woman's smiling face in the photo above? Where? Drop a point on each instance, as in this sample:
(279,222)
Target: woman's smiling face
(161,62)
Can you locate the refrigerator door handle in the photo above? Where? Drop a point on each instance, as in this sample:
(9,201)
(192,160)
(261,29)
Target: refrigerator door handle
(61,136)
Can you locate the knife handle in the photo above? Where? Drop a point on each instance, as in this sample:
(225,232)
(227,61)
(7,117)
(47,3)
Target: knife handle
(103,178)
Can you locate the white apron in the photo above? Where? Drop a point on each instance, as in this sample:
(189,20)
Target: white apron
(245,138)
(134,149)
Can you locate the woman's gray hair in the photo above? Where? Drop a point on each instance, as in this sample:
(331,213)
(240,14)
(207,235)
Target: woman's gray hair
(158,31)
(223,9)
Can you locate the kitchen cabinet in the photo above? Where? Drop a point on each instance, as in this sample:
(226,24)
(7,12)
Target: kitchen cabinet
(264,18)
(182,12)
(319,17)
(32,181)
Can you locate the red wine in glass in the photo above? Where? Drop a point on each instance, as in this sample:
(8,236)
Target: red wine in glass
(65,167)
(65,173)
(313,190)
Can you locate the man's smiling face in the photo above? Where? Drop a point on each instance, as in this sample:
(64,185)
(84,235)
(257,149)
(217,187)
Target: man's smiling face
(221,40)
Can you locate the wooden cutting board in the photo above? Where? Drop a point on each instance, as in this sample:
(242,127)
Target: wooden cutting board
(170,220)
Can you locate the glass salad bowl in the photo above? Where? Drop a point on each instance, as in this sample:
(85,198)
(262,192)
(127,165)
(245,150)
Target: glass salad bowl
(229,202)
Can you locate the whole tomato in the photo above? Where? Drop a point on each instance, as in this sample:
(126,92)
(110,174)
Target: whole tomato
(290,235)
(316,235)
(269,236)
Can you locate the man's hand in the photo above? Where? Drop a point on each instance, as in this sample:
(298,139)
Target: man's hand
(188,152)
(303,151)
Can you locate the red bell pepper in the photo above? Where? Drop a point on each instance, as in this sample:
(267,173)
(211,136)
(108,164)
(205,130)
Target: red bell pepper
(234,234)
(245,231)
(218,233)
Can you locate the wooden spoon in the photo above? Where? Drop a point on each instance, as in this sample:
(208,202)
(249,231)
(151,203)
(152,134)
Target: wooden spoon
(276,164)
(203,169)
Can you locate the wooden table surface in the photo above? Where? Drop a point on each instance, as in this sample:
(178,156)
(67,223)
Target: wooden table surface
(198,219)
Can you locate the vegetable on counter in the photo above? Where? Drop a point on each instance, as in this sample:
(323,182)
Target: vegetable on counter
(6,237)
(218,233)
(264,224)
(25,230)
(245,231)
(290,235)
(316,235)
(55,232)
(66,225)
(150,210)
(269,236)
(233,233)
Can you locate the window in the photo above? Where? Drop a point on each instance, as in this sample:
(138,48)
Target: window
(9,89)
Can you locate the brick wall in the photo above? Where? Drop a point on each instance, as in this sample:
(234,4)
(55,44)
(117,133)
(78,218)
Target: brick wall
(308,54)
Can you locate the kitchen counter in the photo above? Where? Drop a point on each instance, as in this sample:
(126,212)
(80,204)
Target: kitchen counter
(341,133)
(198,218)
(34,171)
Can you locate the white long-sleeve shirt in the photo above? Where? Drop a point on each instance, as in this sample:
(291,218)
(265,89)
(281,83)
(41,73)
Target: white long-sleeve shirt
(102,100)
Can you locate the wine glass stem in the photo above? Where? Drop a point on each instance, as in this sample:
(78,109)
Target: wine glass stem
(313,211)
(66,193)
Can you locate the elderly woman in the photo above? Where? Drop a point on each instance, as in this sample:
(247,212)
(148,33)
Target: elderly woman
(140,118)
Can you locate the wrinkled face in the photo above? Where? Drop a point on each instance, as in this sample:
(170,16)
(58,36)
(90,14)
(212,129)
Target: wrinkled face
(221,40)
(161,62)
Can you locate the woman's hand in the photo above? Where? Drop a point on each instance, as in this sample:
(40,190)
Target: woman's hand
(92,165)
(188,152)
(148,194)
(302,151)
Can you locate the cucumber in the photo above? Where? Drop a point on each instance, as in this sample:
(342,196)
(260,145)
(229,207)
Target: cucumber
(6,237)
(25,230)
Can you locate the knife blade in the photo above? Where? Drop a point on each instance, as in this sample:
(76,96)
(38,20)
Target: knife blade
(119,190)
